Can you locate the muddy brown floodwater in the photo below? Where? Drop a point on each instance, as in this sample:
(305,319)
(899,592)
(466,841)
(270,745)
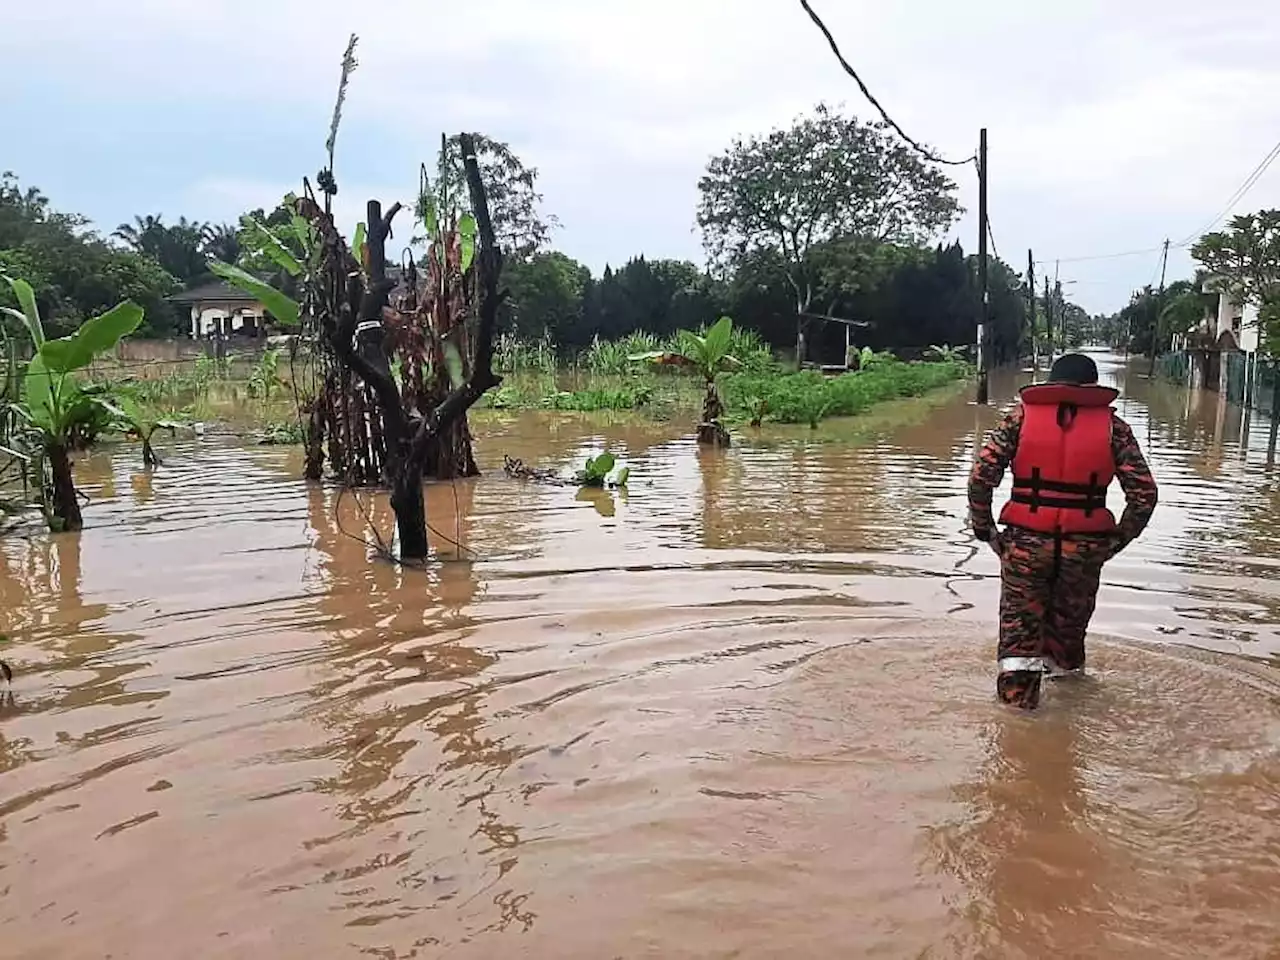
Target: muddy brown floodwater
(744,710)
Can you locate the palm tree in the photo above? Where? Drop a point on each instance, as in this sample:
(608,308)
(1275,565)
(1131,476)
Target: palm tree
(177,248)
(142,233)
(708,354)
(221,241)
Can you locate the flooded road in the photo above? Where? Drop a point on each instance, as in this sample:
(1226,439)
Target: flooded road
(744,709)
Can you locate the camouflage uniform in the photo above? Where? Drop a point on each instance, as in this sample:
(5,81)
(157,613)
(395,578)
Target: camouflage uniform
(1048,584)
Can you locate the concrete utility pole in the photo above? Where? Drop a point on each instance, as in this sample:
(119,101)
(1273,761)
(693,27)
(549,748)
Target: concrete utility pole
(1155,330)
(982,268)
(1048,323)
(1031,312)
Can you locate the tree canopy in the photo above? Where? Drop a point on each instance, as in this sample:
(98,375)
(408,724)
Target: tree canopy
(831,215)
(1244,259)
(74,272)
(515,204)
(826,179)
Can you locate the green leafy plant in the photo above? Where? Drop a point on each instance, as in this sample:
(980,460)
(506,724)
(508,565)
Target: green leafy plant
(869,359)
(55,405)
(283,433)
(131,418)
(709,355)
(945,353)
(265,376)
(595,472)
(284,308)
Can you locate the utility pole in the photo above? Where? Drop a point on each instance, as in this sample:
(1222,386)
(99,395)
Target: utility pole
(1031,313)
(1060,334)
(1155,330)
(982,268)
(1048,323)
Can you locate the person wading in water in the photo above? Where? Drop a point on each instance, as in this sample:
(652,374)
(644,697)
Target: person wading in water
(1065,444)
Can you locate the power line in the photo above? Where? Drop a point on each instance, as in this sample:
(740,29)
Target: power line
(1195,235)
(924,151)
(1236,197)
(1102,256)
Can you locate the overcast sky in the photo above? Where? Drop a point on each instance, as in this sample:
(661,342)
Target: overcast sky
(1112,125)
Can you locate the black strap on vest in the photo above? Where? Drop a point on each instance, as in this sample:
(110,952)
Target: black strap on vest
(1088,497)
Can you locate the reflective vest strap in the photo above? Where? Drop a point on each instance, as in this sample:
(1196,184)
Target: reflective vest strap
(1027,490)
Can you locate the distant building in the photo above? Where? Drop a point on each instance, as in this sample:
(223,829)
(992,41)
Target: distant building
(1227,337)
(220,310)
(1230,325)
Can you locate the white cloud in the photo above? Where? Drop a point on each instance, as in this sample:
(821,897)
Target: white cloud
(1111,125)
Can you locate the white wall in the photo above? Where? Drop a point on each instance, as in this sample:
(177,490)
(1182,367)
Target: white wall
(1249,335)
(205,319)
(1241,321)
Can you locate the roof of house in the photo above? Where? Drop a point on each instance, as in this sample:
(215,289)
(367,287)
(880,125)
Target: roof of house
(218,290)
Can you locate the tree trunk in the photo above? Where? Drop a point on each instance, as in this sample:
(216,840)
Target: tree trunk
(66,502)
(711,431)
(314,469)
(450,456)
(410,507)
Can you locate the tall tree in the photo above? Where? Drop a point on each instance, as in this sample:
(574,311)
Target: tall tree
(825,177)
(73,272)
(1245,259)
(221,241)
(178,248)
(545,295)
(1184,307)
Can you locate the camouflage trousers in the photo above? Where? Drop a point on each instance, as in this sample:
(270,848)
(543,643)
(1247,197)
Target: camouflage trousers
(1048,589)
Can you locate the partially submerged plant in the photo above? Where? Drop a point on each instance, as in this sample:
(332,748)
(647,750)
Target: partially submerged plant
(265,376)
(135,423)
(285,433)
(709,355)
(595,472)
(5,670)
(56,407)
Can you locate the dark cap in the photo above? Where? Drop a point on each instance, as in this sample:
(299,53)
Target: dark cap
(1074,368)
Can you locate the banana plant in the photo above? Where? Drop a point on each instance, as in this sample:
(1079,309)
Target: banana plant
(55,405)
(945,353)
(130,418)
(708,354)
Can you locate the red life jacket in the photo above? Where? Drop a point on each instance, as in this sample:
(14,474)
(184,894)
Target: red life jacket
(1064,464)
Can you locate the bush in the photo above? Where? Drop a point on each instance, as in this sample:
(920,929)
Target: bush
(808,396)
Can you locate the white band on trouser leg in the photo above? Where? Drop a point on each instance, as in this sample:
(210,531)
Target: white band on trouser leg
(1021,665)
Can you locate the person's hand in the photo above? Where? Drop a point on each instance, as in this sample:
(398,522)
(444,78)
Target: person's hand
(996,543)
(1115,543)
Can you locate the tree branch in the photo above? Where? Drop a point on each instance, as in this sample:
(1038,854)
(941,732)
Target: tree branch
(489,267)
(367,356)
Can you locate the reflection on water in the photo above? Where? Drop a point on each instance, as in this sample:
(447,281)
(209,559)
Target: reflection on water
(742,708)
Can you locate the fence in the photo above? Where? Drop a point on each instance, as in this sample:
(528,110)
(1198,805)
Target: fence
(1235,377)
(1266,379)
(1174,366)
(1246,379)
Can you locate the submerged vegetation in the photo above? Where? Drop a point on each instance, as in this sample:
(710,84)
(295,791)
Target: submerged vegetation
(384,360)
(707,355)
